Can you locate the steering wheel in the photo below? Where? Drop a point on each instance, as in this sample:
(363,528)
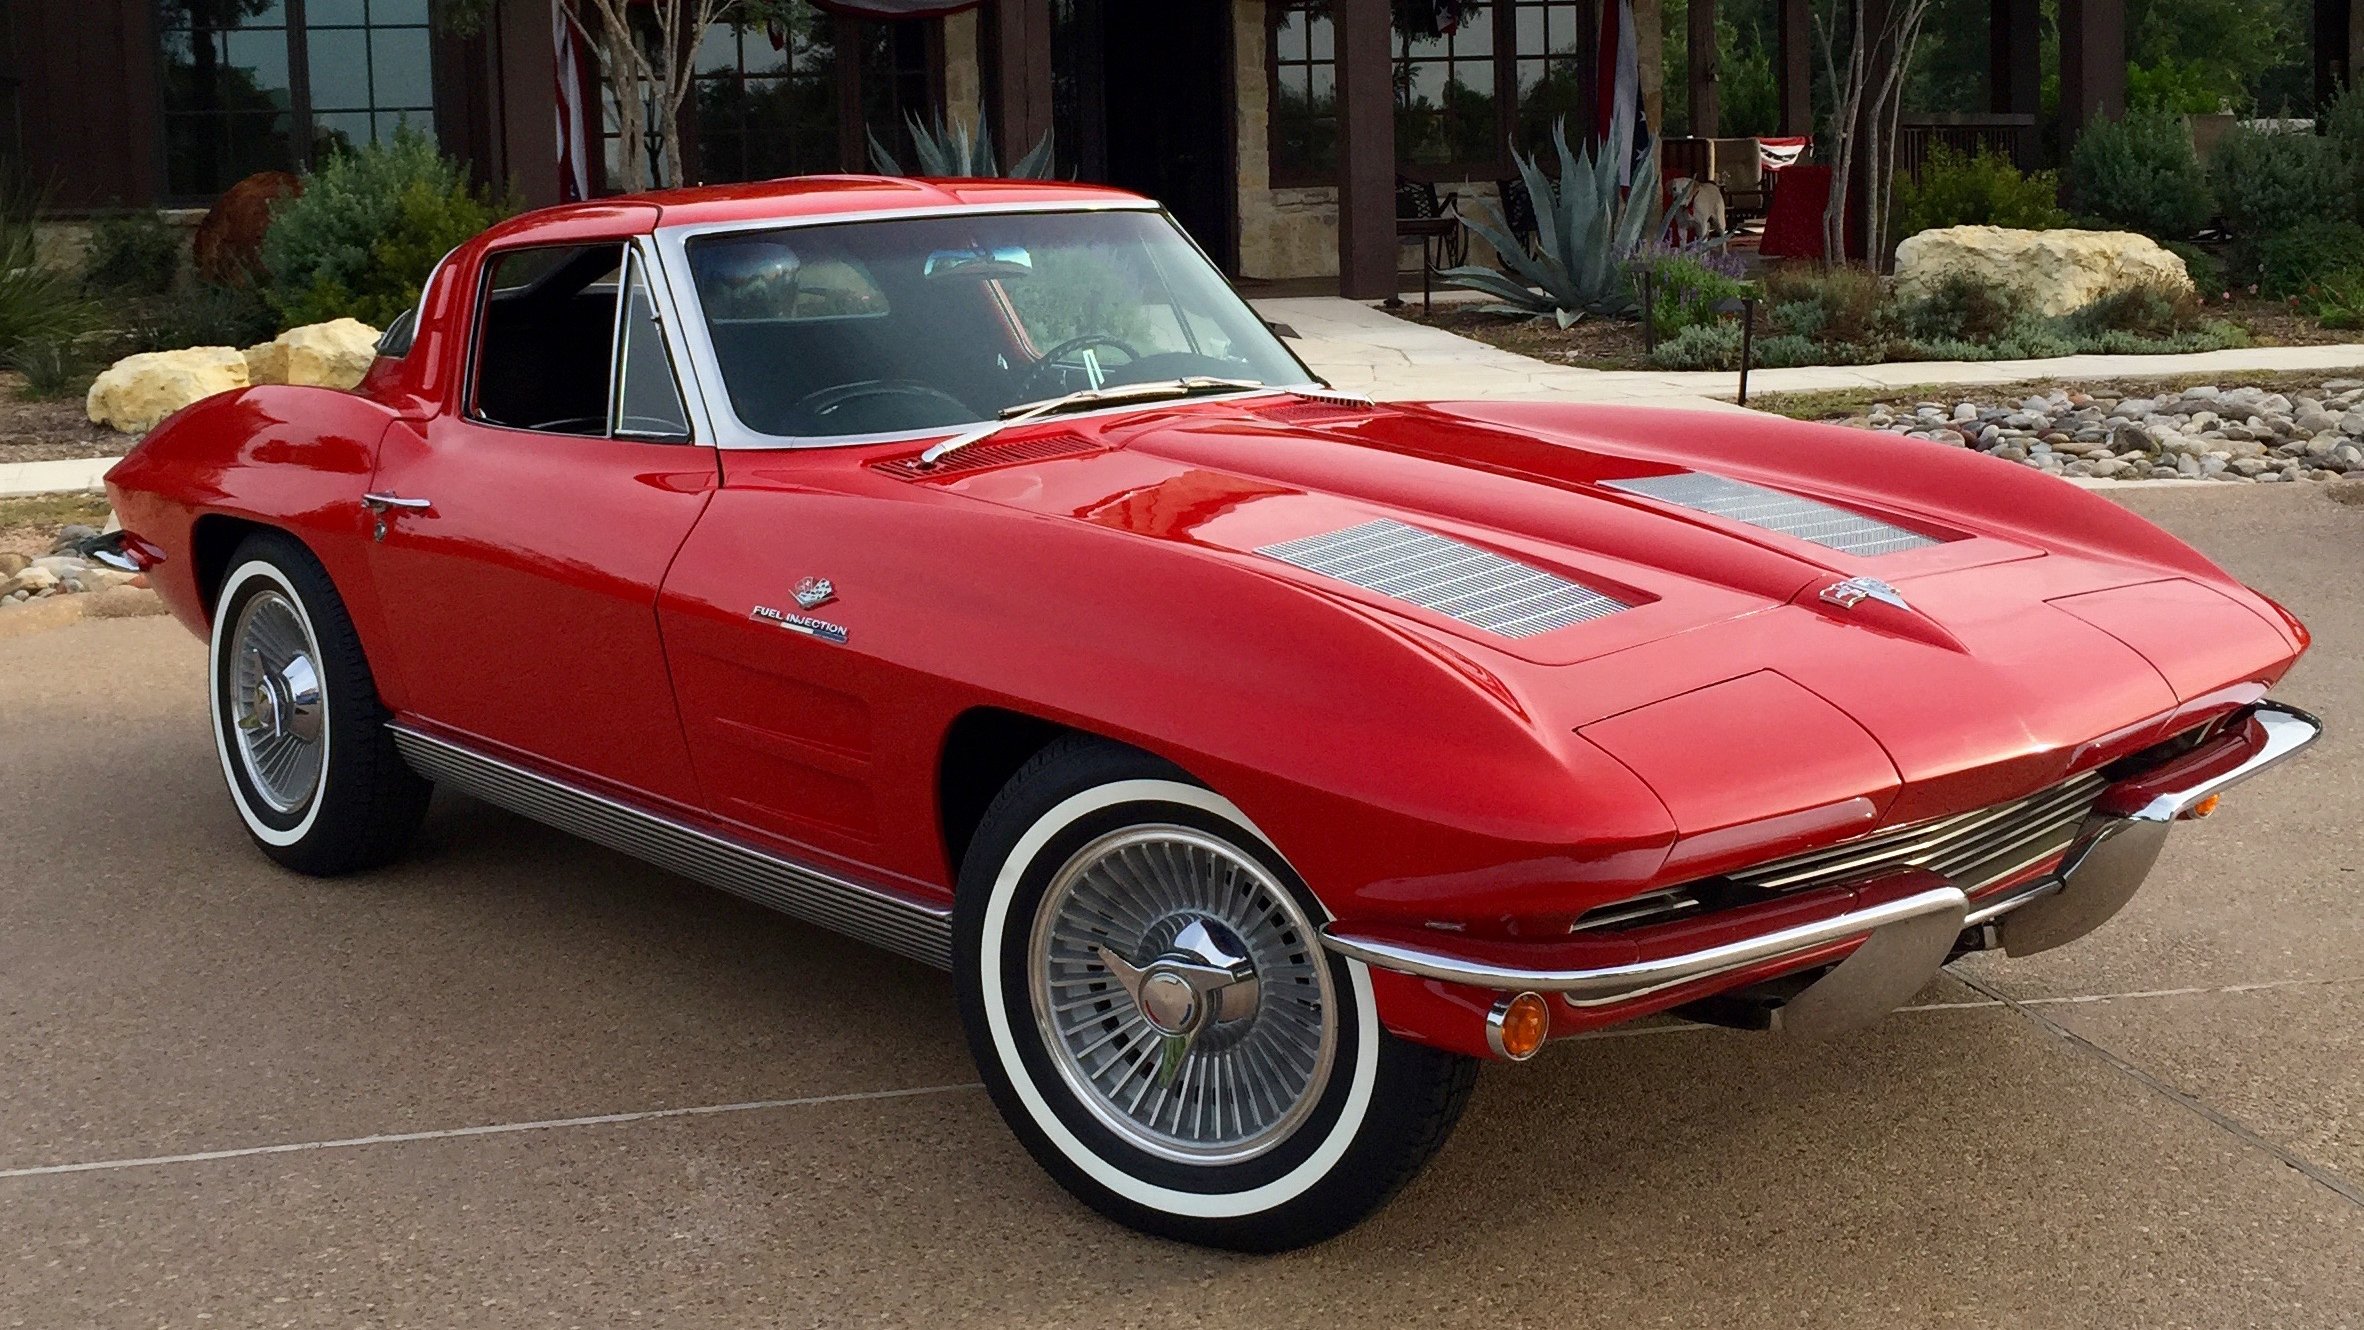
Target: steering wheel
(1033,385)
(822,402)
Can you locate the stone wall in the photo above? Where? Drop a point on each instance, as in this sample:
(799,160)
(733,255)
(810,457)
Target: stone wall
(964,85)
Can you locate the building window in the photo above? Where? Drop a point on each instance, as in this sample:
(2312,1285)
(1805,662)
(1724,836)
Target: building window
(1555,42)
(1445,113)
(1473,79)
(371,71)
(766,100)
(229,105)
(1304,94)
(274,86)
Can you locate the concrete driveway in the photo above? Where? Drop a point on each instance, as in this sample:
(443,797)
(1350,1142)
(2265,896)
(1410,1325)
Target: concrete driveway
(523,1082)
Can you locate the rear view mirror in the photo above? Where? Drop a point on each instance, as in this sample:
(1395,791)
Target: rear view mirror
(980,263)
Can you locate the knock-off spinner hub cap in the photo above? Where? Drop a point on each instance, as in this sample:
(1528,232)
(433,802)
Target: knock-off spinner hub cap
(278,711)
(1182,994)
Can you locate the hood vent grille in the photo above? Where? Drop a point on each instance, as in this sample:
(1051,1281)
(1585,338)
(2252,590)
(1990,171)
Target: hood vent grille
(1452,578)
(985,456)
(1319,411)
(1790,514)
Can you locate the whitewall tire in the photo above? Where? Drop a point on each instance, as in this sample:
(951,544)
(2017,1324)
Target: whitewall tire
(1147,997)
(297,723)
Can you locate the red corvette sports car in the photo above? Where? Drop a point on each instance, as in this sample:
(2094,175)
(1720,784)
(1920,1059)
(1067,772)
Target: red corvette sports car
(962,566)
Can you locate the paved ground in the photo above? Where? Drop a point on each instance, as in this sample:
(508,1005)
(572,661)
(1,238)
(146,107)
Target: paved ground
(399,1081)
(1368,350)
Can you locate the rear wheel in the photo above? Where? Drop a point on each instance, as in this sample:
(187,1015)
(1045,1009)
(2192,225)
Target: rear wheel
(297,722)
(1147,996)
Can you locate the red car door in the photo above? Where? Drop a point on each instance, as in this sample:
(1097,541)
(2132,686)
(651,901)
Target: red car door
(522,540)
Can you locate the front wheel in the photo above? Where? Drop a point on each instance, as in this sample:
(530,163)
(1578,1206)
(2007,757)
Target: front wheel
(296,718)
(1145,990)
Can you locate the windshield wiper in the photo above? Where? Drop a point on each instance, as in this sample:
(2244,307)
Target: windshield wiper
(1087,397)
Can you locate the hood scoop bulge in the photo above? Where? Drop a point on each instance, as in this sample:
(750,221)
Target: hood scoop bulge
(1827,525)
(1448,577)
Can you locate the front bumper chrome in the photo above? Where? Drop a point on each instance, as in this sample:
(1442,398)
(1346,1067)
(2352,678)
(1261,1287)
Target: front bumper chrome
(1914,916)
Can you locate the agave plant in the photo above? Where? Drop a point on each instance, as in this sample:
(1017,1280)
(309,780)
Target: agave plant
(960,152)
(1588,228)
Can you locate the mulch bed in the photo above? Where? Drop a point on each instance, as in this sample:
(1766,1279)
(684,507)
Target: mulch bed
(51,431)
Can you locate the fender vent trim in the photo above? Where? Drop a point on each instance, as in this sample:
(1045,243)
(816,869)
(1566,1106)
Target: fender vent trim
(1827,525)
(1448,577)
(986,456)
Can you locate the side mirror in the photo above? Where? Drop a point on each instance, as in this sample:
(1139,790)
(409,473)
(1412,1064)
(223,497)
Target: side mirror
(1283,330)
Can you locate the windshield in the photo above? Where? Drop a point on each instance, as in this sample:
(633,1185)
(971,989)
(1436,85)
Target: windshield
(884,327)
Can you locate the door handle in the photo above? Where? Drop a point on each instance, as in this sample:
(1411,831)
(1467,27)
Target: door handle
(378,503)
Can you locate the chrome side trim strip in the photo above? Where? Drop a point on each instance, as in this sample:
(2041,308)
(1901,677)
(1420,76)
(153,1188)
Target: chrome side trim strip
(907,927)
(1622,983)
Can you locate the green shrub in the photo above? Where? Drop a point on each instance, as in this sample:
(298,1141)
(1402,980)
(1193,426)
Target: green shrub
(207,314)
(2144,311)
(2300,256)
(2266,182)
(367,229)
(2181,87)
(1838,304)
(2206,270)
(53,368)
(2338,300)
(136,254)
(2343,128)
(1983,190)
(37,303)
(2140,173)
(1960,308)
(1781,352)
(1700,346)
(1685,292)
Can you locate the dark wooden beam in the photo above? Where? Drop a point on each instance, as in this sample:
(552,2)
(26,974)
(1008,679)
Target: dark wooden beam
(2014,65)
(2092,64)
(1366,150)
(1794,72)
(1019,95)
(1700,46)
(2339,43)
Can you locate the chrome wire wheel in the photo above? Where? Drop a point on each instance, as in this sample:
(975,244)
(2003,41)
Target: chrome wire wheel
(1182,993)
(278,713)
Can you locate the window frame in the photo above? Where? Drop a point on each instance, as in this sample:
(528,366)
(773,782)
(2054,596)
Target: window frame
(631,249)
(637,266)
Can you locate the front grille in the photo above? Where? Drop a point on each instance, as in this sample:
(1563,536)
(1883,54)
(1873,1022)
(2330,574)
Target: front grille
(1789,514)
(1972,850)
(1455,579)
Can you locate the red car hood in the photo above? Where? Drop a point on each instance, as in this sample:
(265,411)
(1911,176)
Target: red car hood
(2023,654)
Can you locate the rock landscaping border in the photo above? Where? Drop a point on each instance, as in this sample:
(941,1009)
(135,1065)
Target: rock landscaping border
(2205,432)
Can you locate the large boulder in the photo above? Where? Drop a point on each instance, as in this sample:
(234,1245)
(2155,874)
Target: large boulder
(2055,271)
(137,391)
(322,355)
(228,246)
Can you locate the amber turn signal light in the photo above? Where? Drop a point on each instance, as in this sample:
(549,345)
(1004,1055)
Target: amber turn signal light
(1515,1028)
(2204,807)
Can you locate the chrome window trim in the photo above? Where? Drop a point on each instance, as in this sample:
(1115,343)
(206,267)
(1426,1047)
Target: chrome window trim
(640,263)
(704,367)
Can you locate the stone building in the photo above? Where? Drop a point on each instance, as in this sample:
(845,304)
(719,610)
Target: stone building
(1276,130)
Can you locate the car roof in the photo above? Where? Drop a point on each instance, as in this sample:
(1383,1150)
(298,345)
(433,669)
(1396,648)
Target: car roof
(799,197)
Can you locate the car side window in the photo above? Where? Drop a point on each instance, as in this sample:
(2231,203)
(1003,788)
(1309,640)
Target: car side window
(545,339)
(648,398)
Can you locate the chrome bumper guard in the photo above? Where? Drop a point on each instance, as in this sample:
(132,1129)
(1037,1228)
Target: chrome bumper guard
(1909,921)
